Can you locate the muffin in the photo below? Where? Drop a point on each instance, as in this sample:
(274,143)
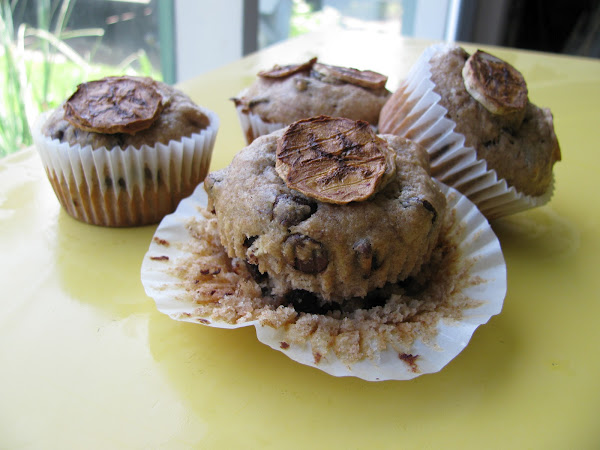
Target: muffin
(286,94)
(328,207)
(123,151)
(338,247)
(484,136)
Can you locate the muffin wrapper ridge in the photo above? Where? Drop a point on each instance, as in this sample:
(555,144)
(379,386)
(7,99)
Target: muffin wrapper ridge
(130,187)
(253,126)
(418,116)
(480,255)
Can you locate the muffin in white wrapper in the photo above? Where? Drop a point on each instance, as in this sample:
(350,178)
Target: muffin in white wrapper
(285,94)
(415,111)
(125,187)
(191,278)
(252,125)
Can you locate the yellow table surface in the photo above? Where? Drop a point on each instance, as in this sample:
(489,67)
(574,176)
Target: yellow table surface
(86,361)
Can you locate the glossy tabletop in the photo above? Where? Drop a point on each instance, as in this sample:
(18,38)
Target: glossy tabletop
(86,361)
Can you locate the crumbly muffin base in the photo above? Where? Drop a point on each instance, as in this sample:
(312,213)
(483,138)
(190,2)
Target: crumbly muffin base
(192,280)
(224,290)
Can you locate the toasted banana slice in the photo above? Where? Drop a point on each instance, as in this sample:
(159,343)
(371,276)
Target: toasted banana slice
(334,160)
(364,78)
(114,105)
(494,83)
(286,71)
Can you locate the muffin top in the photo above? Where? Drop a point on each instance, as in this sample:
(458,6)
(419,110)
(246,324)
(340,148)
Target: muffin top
(487,99)
(124,111)
(332,247)
(290,93)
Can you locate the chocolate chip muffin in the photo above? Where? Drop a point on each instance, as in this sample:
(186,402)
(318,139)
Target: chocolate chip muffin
(516,140)
(286,94)
(123,151)
(326,206)
(142,111)
(487,101)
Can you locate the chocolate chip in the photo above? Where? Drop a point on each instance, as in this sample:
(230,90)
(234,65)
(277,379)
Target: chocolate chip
(367,257)
(120,139)
(257,101)
(290,210)
(250,255)
(306,254)
(412,286)
(491,142)
(363,251)
(377,262)
(510,131)
(414,201)
(429,207)
(376,298)
(109,182)
(249,241)
(255,273)
(307,302)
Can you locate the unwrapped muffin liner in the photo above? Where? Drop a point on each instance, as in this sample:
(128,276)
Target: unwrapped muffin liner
(125,187)
(480,255)
(417,115)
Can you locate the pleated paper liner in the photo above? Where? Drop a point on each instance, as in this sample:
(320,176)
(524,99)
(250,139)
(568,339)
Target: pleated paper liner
(474,281)
(253,126)
(414,112)
(130,187)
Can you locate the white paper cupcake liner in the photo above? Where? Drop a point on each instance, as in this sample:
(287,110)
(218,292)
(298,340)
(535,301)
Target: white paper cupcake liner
(480,258)
(253,126)
(419,116)
(130,187)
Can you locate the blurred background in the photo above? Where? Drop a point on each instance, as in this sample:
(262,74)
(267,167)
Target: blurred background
(47,47)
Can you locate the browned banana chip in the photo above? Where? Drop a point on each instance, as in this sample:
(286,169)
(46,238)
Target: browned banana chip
(494,83)
(114,105)
(364,78)
(286,71)
(334,160)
